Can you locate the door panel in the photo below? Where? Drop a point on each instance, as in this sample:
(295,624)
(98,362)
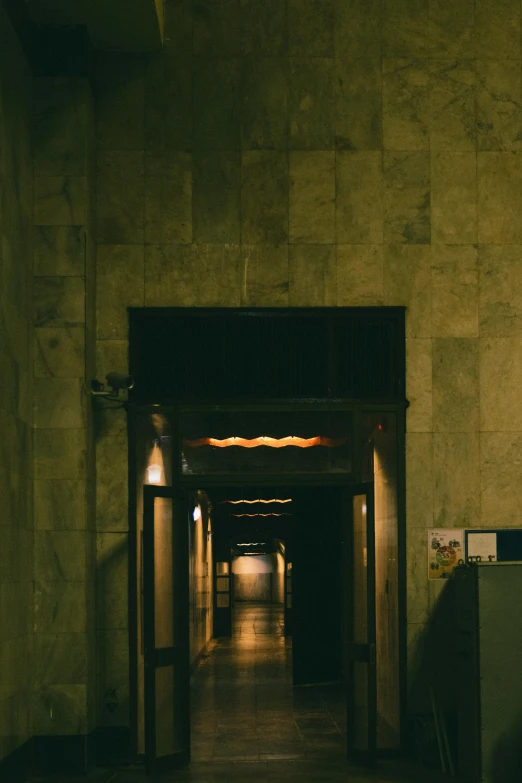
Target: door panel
(288,598)
(362,684)
(316,586)
(223,592)
(166,629)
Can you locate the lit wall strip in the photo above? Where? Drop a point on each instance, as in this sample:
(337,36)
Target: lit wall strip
(264,440)
(253,502)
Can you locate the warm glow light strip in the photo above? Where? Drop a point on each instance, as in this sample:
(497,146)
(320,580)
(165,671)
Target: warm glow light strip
(264,440)
(253,502)
(260,515)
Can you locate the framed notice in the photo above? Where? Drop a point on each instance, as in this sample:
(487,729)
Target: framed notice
(495,545)
(445,552)
(480,546)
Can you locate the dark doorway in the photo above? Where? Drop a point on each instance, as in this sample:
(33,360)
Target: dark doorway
(317,586)
(317,450)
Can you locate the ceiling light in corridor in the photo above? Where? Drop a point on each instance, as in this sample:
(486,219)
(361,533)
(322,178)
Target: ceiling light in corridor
(253,502)
(265,440)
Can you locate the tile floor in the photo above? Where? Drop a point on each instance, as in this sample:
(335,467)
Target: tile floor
(244,707)
(250,726)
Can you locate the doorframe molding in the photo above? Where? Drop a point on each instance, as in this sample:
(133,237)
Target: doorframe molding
(195,482)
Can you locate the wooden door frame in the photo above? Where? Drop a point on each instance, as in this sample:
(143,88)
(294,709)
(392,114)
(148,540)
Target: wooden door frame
(191,483)
(180,555)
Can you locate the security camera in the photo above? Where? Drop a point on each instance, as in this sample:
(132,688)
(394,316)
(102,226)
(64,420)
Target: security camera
(119,381)
(118,385)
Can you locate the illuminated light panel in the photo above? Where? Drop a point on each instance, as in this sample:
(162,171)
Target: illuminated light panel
(253,502)
(154,474)
(260,515)
(253,543)
(265,440)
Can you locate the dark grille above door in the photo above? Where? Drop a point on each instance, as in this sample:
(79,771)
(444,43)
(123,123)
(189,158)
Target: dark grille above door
(180,355)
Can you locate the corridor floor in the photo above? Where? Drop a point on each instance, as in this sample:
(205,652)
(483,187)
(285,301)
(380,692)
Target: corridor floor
(244,707)
(250,726)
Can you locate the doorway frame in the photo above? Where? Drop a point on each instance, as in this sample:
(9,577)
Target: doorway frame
(191,483)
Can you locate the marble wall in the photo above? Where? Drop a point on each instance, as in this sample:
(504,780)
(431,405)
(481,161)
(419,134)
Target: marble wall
(64,540)
(16,389)
(335,152)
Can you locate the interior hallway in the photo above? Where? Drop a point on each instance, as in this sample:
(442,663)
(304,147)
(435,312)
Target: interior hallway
(250,726)
(243,704)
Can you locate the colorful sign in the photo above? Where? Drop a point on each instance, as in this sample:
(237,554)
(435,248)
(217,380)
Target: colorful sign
(445,552)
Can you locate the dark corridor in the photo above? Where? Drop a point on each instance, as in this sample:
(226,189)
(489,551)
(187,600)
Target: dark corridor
(244,707)
(310,527)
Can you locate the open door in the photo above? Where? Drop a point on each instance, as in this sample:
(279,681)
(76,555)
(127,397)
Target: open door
(166,628)
(223,593)
(316,586)
(360,661)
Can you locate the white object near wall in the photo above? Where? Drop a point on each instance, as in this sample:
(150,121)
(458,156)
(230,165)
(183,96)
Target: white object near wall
(483,545)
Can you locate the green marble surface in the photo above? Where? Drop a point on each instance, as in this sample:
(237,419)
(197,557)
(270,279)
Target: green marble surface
(312,275)
(454,296)
(500,378)
(453,198)
(359,197)
(59,301)
(311,28)
(216,198)
(168,197)
(455,382)
(216,28)
(263,27)
(265,275)
(358,103)
(310,103)
(407,197)
(264,197)
(119,282)
(312,197)
(360,275)
(264,103)
(59,250)
(120,186)
(500,290)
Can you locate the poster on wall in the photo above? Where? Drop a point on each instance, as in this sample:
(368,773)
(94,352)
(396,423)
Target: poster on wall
(445,552)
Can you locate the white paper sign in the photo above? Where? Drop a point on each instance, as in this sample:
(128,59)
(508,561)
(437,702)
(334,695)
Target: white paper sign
(483,545)
(445,551)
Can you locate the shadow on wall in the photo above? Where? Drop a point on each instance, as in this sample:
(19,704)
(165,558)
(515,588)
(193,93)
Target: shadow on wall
(433,666)
(112,633)
(437,667)
(506,766)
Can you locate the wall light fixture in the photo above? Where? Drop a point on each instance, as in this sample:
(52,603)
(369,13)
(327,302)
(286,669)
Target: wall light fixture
(154,474)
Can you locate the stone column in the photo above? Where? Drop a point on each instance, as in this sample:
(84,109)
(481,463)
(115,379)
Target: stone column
(63,463)
(16,389)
